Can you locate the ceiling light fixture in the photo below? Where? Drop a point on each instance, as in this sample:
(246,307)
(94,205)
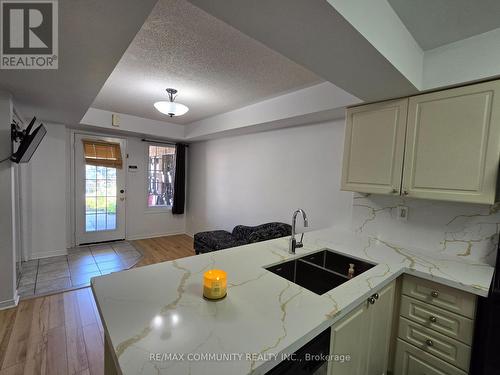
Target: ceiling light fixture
(170,108)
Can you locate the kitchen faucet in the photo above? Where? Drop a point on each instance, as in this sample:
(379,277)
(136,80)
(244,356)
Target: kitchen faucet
(293,242)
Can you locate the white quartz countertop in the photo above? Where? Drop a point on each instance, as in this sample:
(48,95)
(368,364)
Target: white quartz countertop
(158,322)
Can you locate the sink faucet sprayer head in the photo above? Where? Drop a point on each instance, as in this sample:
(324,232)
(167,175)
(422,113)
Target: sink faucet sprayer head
(293,243)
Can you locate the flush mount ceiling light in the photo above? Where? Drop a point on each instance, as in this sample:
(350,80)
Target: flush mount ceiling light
(170,108)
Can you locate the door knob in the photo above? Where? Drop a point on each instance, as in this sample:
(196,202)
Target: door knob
(405,192)
(429,342)
(394,191)
(434,294)
(432,319)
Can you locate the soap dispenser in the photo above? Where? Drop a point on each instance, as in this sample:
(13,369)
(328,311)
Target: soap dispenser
(350,273)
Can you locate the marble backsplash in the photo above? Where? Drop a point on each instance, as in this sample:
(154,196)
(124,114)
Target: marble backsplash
(467,230)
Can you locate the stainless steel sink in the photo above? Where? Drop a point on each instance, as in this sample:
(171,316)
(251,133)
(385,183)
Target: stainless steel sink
(320,271)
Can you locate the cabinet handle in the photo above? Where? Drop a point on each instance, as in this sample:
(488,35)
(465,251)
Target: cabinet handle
(394,191)
(432,319)
(375,296)
(434,294)
(371,300)
(405,192)
(429,342)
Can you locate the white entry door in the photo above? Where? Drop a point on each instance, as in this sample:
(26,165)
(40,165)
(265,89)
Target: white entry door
(100,196)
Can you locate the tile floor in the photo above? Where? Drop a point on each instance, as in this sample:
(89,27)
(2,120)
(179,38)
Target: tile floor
(65,272)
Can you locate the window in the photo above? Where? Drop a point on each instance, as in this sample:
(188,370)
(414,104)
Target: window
(161,173)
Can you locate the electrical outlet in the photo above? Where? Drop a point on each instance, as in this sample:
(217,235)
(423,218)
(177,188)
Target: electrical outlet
(403,212)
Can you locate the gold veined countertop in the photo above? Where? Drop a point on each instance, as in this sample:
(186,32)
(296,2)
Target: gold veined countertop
(159,323)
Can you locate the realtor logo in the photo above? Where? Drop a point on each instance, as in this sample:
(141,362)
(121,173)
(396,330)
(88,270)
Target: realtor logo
(29,34)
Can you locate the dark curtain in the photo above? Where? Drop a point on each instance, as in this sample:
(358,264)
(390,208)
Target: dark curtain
(180,179)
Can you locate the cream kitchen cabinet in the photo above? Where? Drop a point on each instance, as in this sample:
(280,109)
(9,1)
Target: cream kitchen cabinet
(451,151)
(435,329)
(364,334)
(453,144)
(374,146)
(413,361)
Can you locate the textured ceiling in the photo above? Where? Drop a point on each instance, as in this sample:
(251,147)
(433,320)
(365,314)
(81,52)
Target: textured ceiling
(215,67)
(89,48)
(434,23)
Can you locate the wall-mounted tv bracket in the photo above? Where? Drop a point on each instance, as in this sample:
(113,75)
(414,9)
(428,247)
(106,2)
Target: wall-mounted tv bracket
(16,133)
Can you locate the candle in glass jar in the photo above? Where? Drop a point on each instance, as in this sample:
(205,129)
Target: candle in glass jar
(214,284)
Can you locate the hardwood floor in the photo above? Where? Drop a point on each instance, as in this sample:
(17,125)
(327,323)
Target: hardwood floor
(162,249)
(62,333)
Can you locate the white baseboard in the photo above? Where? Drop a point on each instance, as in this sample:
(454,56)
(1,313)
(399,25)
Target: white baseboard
(153,235)
(10,303)
(47,254)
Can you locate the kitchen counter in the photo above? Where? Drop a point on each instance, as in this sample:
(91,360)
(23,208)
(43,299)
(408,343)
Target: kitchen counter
(156,320)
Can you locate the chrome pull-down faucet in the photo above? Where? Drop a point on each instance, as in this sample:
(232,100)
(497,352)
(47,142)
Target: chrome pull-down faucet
(293,242)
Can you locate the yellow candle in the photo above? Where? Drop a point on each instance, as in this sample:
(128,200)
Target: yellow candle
(214,284)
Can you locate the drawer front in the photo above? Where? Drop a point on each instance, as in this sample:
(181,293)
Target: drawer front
(441,346)
(443,321)
(440,295)
(413,361)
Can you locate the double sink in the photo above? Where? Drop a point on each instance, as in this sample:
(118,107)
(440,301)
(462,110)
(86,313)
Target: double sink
(320,271)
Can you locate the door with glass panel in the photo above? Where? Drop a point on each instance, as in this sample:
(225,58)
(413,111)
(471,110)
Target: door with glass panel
(99,188)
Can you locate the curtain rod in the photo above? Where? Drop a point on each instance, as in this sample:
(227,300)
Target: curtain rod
(170,143)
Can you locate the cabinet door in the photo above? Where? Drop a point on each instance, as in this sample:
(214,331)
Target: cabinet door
(412,361)
(349,338)
(374,146)
(365,335)
(379,336)
(453,144)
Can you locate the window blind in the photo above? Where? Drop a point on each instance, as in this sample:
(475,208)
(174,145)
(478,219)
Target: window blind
(102,154)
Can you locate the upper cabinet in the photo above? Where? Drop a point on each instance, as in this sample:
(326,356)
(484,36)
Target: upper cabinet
(451,151)
(374,147)
(452,144)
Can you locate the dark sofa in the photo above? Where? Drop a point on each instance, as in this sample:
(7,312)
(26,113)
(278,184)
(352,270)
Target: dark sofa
(205,242)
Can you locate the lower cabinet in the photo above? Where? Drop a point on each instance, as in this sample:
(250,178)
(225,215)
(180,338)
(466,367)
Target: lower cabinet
(435,329)
(412,361)
(364,335)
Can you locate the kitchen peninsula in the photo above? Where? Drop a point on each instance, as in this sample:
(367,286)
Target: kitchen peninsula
(155,316)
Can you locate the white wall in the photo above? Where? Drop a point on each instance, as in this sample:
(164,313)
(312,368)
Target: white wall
(7,214)
(255,178)
(466,60)
(133,124)
(143,222)
(46,183)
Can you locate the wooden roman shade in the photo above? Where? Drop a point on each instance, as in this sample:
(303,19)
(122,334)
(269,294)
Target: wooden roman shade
(102,154)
